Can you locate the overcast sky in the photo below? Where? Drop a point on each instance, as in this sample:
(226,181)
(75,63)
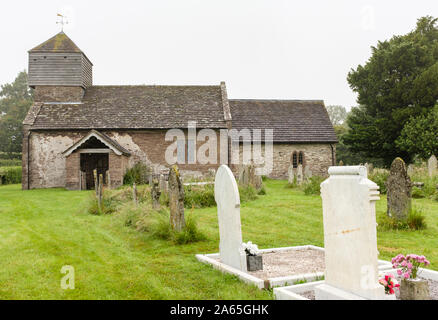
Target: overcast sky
(281,49)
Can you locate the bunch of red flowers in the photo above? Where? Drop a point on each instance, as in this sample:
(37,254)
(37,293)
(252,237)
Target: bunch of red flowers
(389,283)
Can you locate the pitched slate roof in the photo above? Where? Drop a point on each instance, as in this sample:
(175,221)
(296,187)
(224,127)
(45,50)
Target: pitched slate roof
(298,121)
(136,107)
(102,137)
(58,43)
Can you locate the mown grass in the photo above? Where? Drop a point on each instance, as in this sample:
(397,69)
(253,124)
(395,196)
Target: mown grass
(42,230)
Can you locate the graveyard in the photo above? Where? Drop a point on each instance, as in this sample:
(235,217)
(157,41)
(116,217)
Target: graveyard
(42,230)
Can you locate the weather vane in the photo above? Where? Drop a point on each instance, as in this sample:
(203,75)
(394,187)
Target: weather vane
(62,22)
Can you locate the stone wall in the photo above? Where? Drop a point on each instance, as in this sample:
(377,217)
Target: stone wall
(72,165)
(58,94)
(318,157)
(48,166)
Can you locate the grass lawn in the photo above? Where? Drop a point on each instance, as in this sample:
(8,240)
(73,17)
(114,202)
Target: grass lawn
(43,230)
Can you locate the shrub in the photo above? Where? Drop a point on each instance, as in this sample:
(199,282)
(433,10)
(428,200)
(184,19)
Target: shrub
(379,177)
(312,186)
(10,162)
(10,175)
(160,228)
(139,174)
(110,202)
(247,193)
(199,196)
(415,221)
(417,193)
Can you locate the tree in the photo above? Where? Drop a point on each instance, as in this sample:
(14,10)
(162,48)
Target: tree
(399,81)
(420,135)
(15,101)
(337,114)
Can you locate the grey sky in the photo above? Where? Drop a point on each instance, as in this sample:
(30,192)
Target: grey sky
(280,49)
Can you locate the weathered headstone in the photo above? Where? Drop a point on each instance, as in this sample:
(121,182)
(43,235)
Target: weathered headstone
(134,193)
(341,163)
(244,174)
(290,174)
(369,167)
(163,183)
(307,172)
(108,179)
(410,169)
(226,194)
(96,185)
(432,164)
(248,176)
(398,186)
(300,174)
(176,199)
(350,237)
(100,192)
(155,193)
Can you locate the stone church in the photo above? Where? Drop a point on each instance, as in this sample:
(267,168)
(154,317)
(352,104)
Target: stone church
(75,127)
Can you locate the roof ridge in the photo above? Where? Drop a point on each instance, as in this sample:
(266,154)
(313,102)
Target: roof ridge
(279,100)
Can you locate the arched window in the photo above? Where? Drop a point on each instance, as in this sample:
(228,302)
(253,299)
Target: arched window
(301,158)
(294,160)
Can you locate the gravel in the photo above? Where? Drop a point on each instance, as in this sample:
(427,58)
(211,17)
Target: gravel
(290,262)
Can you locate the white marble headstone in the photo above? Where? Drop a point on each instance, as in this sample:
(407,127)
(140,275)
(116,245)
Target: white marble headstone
(350,236)
(226,194)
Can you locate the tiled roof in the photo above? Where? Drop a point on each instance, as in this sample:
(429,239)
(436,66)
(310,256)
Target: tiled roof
(298,121)
(137,107)
(58,43)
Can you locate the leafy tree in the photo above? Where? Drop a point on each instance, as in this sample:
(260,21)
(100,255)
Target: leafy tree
(337,114)
(420,135)
(15,101)
(398,82)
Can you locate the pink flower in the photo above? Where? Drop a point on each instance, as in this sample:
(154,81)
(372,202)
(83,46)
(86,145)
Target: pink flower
(410,265)
(426,262)
(399,272)
(406,275)
(403,264)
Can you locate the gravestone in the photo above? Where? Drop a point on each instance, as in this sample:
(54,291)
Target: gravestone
(432,166)
(163,183)
(398,186)
(341,163)
(290,174)
(248,176)
(410,169)
(155,193)
(307,172)
(350,236)
(226,195)
(176,199)
(243,175)
(369,167)
(300,174)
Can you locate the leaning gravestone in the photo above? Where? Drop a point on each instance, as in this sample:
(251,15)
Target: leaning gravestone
(176,200)
(226,195)
(350,237)
(398,186)
(290,174)
(300,174)
(155,193)
(432,166)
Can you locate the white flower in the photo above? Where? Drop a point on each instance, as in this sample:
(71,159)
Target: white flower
(250,248)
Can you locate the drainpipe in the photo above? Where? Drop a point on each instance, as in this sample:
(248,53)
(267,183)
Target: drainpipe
(28,160)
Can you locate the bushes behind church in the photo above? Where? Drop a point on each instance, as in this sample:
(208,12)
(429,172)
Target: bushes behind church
(10,175)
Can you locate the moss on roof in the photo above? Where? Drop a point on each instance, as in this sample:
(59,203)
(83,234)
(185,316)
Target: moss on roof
(59,43)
